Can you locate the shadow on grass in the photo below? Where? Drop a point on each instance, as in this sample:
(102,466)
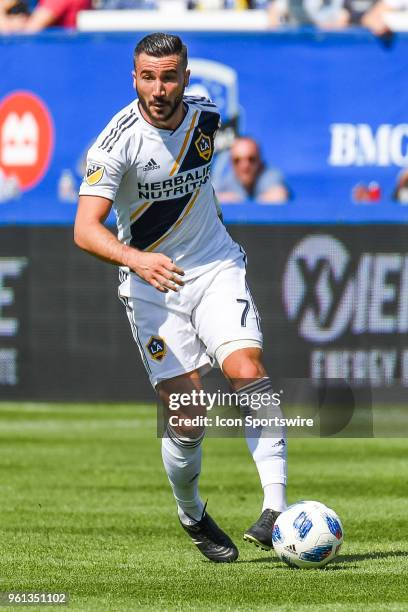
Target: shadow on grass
(274,560)
(342,562)
(371,555)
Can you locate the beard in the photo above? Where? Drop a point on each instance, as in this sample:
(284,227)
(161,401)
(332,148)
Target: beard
(161,114)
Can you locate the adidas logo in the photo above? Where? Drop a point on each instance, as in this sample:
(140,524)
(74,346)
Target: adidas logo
(280,442)
(151,165)
(291,548)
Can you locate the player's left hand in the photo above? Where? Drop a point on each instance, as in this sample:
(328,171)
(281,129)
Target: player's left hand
(158,270)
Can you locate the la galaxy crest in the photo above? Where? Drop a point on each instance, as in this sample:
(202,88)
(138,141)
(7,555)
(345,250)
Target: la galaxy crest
(157,348)
(204,146)
(94,173)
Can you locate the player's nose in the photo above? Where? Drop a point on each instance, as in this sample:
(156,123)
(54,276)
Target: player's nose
(159,89)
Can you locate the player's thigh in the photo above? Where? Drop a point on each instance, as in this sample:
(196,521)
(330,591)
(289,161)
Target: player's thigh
(227,310)
(168,344)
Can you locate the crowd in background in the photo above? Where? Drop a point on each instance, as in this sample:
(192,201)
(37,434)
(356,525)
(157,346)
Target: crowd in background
(31,16)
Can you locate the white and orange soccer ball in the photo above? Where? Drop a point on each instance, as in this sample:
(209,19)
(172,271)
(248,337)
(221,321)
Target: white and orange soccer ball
(308,534)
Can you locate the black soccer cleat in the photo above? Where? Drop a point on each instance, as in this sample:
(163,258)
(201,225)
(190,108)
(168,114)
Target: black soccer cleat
(260,533)
(211,541)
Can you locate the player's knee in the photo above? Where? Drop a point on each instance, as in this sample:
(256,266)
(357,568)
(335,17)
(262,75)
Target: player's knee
(187,427)
(252,368)
(192,431)
(247,366)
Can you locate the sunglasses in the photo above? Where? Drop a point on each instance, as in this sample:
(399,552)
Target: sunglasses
(252,159)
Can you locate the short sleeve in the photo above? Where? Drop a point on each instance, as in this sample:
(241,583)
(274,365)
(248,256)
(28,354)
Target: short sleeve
(103,174)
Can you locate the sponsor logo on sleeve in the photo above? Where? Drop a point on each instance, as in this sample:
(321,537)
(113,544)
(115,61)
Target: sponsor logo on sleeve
(94,173)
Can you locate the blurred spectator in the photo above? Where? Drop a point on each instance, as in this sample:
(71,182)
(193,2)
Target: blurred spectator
(355,10)
(334,14)
(111,5)
(12,12)
(249,178)
(401,190)
(47,13)
(325,14)
(226,4)
(375,19)
(14,7)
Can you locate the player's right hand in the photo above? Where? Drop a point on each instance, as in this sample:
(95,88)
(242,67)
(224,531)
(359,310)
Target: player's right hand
(158,270)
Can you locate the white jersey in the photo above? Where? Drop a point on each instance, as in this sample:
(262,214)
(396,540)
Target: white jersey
(159,182)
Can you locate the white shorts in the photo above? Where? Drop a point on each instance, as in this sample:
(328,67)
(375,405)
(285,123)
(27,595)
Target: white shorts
(180,332)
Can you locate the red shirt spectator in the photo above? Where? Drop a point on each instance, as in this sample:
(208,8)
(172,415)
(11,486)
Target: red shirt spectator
(47,13)
(64,12)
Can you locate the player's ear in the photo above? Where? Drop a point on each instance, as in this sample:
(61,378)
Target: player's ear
(134,79)
(187,78)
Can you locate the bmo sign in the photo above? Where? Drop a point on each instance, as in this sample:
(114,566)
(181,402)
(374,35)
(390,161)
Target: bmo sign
(26,138)
(361,145)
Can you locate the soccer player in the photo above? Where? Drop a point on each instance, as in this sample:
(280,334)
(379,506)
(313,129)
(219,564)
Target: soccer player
(182,277)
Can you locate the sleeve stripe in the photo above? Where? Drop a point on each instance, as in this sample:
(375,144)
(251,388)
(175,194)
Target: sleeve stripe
(123,129)
(198,103)
(114,131)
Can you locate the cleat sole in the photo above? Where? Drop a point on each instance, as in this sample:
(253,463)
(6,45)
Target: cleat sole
(252,540)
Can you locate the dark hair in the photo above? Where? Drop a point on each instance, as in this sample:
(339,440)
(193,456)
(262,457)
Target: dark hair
(161,45)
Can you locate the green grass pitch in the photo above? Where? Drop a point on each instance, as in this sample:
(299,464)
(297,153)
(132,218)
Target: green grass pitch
(86,509)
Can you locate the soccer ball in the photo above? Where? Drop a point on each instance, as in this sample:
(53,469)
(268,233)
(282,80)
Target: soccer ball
(308,534)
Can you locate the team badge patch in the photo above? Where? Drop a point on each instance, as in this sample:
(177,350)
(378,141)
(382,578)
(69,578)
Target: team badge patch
(204,146)
(94,173)
(157,348)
